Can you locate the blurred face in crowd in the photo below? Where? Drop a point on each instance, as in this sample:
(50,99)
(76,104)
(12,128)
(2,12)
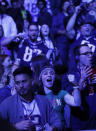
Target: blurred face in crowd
(65,6)
(71,10)
(45,30)
(7,62)
(15,4)
(86,29)
(40,5)
(48,77)
(85,56)
(33,32)
(92,5)
(23,84)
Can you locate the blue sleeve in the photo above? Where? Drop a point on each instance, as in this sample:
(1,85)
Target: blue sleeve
(4,93)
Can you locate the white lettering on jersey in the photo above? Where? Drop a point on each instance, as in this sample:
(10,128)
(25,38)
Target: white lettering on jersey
(28,54)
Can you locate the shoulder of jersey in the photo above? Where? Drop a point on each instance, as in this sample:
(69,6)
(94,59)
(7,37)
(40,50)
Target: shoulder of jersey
(26,41)
(40,42)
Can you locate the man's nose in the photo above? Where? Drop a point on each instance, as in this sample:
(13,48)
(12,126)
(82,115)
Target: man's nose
(21,84)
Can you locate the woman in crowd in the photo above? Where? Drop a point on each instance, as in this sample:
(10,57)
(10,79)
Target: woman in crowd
(46,36)
(50,86)
(7,81)
(47,39)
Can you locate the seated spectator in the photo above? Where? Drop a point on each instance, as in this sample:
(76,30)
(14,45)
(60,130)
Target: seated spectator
(26,111)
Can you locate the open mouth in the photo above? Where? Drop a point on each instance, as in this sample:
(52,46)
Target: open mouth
(45,32)
(49,80)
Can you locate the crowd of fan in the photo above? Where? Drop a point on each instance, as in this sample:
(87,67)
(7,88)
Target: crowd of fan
(59,33)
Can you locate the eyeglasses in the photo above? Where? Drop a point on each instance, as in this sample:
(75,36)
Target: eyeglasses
(86,53)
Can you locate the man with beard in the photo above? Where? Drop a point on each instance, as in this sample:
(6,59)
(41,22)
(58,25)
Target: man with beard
(25,110)
(31,47)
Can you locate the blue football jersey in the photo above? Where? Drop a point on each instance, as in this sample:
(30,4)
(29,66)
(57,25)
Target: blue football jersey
(28,50)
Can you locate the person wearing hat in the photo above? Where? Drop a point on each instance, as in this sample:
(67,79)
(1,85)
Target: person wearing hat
(25,110)
(57,97)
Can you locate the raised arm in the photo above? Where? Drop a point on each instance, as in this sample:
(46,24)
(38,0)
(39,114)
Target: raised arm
(7,40)
(75,99)
(72,20)
(70,31)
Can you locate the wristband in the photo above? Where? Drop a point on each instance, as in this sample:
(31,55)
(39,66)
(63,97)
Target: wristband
(75,87)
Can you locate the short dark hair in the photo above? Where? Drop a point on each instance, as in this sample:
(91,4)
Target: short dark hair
(44,2)
(23,70)
(76,51)
(33,23)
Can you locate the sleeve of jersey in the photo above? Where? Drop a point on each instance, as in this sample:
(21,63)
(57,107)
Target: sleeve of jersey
(63,93)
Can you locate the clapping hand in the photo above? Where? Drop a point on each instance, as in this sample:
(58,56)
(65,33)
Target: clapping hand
(85,74)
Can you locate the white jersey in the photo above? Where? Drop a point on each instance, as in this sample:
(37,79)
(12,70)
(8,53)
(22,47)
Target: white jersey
(32,110)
